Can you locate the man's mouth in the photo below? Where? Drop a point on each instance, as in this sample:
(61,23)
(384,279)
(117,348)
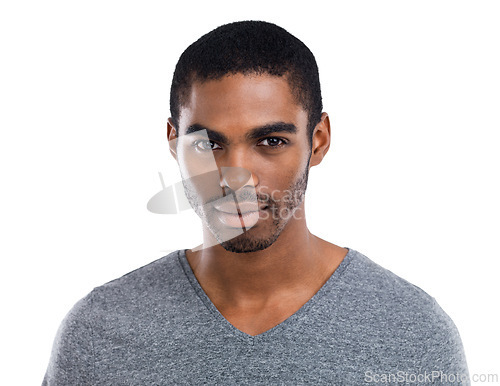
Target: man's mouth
(230,217)
(242,207)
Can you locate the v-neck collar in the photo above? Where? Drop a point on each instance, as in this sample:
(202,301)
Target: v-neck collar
(329,284)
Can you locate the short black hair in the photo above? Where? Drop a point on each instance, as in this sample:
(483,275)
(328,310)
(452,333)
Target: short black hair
(249,47)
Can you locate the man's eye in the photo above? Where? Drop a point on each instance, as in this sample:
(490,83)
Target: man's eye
(274,142)
(207,145)
(204,145)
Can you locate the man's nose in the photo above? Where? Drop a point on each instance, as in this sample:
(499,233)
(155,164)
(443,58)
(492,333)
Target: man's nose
(235,177)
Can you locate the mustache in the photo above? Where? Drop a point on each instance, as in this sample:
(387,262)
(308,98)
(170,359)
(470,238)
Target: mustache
(244,196)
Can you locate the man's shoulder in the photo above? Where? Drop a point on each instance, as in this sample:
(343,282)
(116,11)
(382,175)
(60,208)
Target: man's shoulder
(157,271)
(157,283)
(368,278)
(387,306)
(379,295)
(151,280)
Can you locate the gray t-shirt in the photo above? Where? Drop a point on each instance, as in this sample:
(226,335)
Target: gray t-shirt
(156,326)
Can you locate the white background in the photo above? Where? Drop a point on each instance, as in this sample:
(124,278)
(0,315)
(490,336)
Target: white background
(411,178)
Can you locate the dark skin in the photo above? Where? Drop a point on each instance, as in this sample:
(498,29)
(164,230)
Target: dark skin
(259,289)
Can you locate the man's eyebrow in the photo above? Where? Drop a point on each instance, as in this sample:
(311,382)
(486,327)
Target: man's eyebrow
(212,134)
(255,133)
(278,127)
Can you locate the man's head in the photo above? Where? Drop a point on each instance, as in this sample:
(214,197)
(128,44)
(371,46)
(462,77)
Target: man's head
(257,101)
(249,47)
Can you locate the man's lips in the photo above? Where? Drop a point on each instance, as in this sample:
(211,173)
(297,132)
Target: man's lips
(244,207)
(245,219)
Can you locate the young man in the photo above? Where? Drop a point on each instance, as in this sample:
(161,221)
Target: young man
(262,300)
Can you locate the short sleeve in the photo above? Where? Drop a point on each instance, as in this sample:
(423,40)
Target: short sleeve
(72,356)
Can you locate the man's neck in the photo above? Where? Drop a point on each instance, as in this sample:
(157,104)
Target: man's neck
(298,262)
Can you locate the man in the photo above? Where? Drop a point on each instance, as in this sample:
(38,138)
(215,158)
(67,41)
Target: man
(262,300)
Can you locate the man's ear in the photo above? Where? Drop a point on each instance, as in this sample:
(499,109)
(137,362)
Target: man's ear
(172,138)
(320,140)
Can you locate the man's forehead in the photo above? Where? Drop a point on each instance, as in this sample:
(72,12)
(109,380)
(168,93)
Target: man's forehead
(248,101)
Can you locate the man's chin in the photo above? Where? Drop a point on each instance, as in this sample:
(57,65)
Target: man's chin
(245,245)
(239,240)
(247,242)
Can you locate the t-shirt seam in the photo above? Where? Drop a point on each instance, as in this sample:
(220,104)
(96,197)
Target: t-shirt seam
(190,280)
(349,261)
(338,273)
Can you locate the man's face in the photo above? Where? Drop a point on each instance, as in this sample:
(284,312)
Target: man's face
(264,174)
